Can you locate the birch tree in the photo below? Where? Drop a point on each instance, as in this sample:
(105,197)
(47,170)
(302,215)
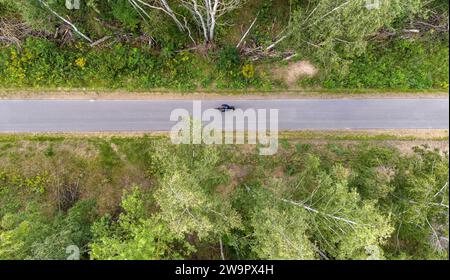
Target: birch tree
(185,199)
(206,15)
(341,224)
(344,225)
(279,231)
(330,28)
(420,203)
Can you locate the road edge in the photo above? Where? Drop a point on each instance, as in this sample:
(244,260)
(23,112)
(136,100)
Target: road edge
(198,95)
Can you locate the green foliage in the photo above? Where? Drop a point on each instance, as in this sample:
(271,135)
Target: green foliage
(400,65)
(135,235)
(370,177)
(185,198)
(336,30)
(71,229)
(108,157)
(30,234)
(279,231)
(334,207)
(35,183)
(420,203)
(41,63)
(18,232)
(13,183)
(31,11)
(145,55)
(123,11)
(336,201)
(38,65)
(7,7)
(339,35)
(365,228)
(234,72)
(228,59)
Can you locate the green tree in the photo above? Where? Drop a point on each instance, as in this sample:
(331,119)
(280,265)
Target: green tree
(18,232)
(72,229)
(335,30)
(373,169)
(342,224)
(32,235)
(186,197)
(136,235)
(420,206)
(279,231)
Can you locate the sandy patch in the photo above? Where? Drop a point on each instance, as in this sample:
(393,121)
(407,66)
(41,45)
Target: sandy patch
(291,73)
(298,70)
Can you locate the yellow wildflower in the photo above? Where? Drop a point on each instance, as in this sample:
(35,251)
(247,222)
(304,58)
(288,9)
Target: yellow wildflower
(80,62)
(248,71)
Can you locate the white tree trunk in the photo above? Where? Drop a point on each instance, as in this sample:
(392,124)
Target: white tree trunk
(205,13)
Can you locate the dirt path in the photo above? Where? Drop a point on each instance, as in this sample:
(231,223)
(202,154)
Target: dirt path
(235,95)
(406,135)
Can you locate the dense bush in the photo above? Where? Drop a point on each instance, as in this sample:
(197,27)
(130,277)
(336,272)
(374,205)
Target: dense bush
(404,64)
(129,17)
(41,63)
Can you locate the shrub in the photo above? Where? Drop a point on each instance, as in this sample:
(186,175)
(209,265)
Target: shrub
(123,11)
(228,59)
(248,71)
(404,64)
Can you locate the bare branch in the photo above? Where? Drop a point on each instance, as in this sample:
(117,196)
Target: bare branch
(47,6)
(248,31)
(319,212)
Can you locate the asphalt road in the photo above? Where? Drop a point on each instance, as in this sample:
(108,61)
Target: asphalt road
(140,115)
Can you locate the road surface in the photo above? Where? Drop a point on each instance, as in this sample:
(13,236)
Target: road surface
(154,115)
